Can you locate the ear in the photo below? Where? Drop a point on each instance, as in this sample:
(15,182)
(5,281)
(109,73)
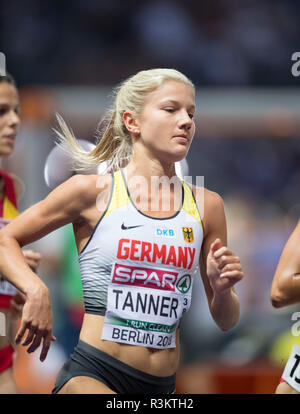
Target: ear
(131,123)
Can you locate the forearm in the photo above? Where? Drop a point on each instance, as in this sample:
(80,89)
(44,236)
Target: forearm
(225,309)
(14,268)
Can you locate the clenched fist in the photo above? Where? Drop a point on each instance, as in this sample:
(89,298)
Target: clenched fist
(223,267)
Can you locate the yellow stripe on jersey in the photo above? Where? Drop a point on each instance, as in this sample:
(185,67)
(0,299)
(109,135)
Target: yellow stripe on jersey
(9,210)
(189,204)
(120,196)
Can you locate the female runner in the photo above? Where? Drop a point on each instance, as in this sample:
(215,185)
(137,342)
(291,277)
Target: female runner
(11,301)
(285,291)
(138,248)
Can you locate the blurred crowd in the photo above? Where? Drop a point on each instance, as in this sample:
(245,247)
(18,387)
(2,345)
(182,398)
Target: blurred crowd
(215,42)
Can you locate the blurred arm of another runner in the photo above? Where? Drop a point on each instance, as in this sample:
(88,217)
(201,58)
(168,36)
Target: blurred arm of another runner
(18,300)
(285,288)
(32,259)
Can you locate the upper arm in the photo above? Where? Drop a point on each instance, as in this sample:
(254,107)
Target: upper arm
(63,205)
(285,288)
(214,226)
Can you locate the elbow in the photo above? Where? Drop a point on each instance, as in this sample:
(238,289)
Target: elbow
(278,299)
(227,326)
(276,303)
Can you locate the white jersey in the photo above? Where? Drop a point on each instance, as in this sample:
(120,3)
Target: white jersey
(138,270)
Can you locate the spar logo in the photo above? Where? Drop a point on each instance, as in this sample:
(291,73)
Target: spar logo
(144,277)
(184,284)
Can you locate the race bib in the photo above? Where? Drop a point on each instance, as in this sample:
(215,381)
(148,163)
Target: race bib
(144,305)
(291,373)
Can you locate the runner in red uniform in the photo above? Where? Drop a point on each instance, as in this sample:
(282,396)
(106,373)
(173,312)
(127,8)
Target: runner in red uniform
(11,301)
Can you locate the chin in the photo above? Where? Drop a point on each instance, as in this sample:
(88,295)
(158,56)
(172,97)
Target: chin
(179,155)
(6,151)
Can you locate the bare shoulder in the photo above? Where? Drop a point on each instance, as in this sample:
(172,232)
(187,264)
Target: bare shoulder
(87,185)
(211,208)
(208,199)
(77,193)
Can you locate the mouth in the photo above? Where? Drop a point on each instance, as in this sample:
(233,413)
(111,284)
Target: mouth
(9,138)
(181,138)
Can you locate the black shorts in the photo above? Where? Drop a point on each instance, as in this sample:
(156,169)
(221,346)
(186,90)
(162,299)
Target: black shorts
(91,362)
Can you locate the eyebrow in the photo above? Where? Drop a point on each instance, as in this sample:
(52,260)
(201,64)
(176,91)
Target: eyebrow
(176,103)
(8,106)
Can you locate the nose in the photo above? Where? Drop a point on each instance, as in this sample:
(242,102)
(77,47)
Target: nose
(185,120)
(14,119)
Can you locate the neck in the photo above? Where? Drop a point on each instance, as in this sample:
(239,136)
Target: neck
(147,168)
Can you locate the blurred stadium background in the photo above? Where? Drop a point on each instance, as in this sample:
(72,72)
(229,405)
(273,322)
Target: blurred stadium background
(67,55)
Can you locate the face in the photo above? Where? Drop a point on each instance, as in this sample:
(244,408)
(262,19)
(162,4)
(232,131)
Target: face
(166,123)
(9,118)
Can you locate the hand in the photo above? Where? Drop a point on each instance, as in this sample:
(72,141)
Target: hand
(16,305)
(37,319)
(32,259)
(223,267)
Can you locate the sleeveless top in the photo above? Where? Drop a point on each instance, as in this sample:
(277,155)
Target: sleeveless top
(8,211)
(138,270)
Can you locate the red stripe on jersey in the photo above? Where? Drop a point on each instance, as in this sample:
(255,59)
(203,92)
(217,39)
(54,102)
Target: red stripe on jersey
(5,301)
(6,358)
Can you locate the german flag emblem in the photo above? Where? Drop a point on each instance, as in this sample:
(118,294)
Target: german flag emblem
(188,234)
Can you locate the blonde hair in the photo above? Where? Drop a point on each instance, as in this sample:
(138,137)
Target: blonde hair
(115,145)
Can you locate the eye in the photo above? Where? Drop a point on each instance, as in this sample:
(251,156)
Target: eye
(3,110)
(170,110)
(191,116)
